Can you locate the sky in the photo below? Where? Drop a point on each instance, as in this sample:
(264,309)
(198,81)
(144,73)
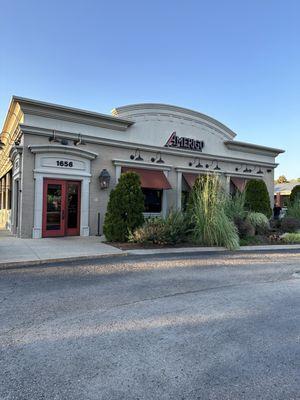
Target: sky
(236,61)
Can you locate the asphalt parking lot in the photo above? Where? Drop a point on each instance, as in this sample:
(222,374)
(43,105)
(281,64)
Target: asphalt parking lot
(177,327)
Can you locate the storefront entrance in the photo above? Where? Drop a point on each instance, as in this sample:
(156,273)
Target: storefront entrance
(61,208)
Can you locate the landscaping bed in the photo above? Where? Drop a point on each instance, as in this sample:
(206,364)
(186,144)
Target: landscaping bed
(213,218)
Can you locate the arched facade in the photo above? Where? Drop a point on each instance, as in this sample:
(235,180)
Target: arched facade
(58,153)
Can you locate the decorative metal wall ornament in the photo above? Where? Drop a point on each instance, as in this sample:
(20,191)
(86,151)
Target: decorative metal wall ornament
(137,155)
(104,179)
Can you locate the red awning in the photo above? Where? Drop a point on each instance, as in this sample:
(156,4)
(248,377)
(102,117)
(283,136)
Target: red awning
(150,178)
(239,183)
(190,179)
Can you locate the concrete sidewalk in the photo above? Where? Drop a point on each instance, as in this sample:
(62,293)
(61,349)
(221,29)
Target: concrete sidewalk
(16,251)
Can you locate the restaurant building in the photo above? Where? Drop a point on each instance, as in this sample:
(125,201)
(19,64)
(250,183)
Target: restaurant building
(58,164)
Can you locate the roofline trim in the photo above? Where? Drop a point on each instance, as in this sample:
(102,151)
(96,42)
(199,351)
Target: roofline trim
(38,107)
(170,107)
(247,147)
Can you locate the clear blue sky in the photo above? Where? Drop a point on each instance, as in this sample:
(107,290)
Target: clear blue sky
(237,61)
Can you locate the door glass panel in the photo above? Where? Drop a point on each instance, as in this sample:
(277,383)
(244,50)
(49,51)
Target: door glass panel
(53,221)
(72,201)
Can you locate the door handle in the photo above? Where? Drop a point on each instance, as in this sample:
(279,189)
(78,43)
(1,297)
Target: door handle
(63,214)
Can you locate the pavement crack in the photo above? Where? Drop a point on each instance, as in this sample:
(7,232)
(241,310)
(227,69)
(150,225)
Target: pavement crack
(169,295)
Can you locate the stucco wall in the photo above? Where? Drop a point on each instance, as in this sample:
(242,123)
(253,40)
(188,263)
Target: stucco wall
(99,198)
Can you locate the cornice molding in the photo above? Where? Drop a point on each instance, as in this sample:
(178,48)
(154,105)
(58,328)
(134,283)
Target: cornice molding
(202,171)
(252,148)
(63,150)
(14,151)
(26,129)
(168,109)
(142,164)
(77,115)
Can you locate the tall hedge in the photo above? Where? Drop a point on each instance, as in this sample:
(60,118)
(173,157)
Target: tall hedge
(295,194)
(257,197)
(125,208)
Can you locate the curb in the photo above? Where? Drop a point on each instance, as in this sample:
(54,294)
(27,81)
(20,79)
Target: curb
(152,252)
(34,263)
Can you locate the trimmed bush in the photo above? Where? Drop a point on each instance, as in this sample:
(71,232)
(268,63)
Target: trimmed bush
(260,222)
(244,227)
(290,224)
(211,225)
(295,194)
(125,208)
(257,197)
(291,238)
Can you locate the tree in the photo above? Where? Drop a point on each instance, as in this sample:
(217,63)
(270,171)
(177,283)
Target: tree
(295,194)
(125,208)
(257,197)
(282,179)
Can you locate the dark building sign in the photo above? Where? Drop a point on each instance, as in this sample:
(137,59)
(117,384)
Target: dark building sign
(184,143)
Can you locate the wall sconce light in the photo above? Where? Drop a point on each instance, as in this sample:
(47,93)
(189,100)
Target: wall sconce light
(53,138)
(157,158)
(104,179)
(136,156)
(198,165)
(79,141)
(247,170)
(216,168)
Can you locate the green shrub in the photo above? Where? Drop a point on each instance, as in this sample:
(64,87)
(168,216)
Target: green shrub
(170,230)
(177,227)
(235,206)
(290,224)
(250,241)
(152,231)
(257,197)
(125,208)
(295,194)
(211,225)
(293,209)
(291,238)
(260,222)
(244,227)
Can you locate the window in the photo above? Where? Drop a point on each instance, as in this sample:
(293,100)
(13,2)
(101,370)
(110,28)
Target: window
(153,200)
(184,199)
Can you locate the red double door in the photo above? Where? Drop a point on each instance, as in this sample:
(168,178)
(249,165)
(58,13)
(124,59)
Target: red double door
(61,208)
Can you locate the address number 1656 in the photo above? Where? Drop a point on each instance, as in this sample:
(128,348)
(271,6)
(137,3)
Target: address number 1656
(64,163)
